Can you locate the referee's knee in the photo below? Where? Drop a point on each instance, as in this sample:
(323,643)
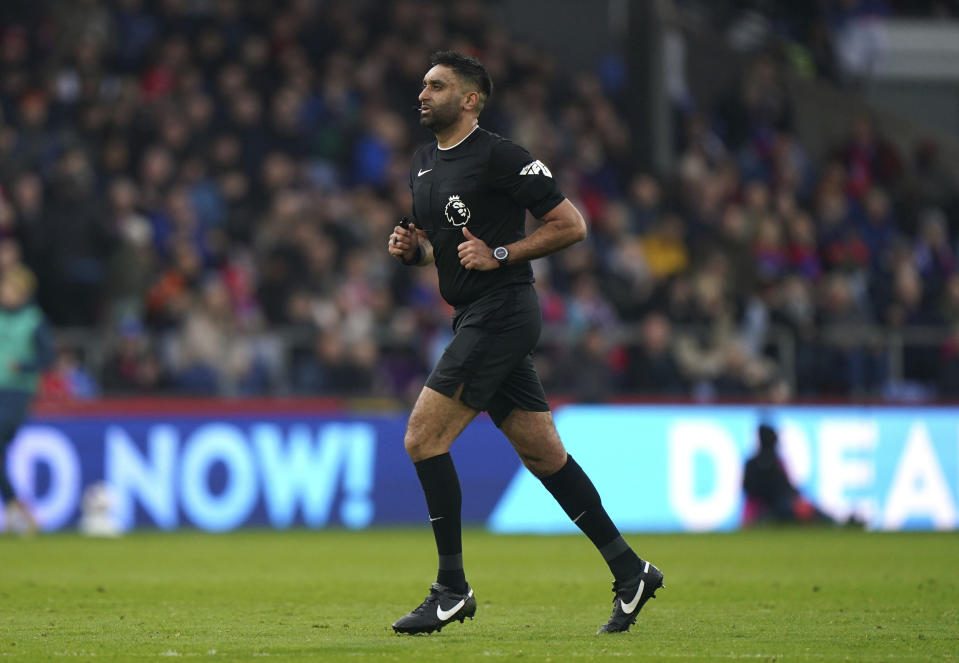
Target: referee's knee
(419,447)
(544,465)
(412,445)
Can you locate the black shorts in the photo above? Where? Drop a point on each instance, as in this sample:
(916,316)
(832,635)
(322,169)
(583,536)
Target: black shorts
(491,354)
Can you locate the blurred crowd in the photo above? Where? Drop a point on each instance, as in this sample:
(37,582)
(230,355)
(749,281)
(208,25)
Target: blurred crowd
(207,184)
(837,40)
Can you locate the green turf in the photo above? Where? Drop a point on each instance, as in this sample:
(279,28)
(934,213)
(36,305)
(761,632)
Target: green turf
(817,595)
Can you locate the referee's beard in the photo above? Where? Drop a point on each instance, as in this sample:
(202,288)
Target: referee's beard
(441,118)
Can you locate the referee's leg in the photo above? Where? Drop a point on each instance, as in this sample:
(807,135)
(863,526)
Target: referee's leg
(434,424)
(534,436)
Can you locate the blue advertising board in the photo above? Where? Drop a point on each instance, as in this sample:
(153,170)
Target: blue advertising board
(658,468)
(662,468)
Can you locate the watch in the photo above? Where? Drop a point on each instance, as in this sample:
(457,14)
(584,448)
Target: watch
(501,253)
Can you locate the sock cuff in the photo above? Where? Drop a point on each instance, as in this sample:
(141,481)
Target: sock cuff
(614,548)
(451,562)
(432,461)
(560,475)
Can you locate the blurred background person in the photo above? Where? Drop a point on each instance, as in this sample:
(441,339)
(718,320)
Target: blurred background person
(25,350)
(770,494)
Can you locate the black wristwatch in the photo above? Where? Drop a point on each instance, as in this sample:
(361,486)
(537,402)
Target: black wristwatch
(501,253)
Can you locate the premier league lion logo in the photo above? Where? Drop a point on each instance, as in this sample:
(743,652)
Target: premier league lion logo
(457,213)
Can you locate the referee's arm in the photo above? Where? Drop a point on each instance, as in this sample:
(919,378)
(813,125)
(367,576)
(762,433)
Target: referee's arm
(562,226)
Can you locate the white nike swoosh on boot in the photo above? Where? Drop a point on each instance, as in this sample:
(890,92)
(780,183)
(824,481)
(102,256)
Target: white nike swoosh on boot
(629,607)
(443,615)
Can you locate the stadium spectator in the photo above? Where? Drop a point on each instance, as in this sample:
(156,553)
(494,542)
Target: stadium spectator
(67,379)
(587,372)
(134,367)
(337,366)
(870,160)
(652,368)
(770,493)
(25,350)
(212,352)
(934,257)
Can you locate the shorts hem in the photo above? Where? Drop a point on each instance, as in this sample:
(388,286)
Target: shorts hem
(450,392)
(498,420)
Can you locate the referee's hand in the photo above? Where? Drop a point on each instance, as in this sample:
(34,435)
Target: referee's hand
(403,243)
(474,254)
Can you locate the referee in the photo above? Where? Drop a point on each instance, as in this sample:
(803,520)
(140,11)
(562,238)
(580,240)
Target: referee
(471,189)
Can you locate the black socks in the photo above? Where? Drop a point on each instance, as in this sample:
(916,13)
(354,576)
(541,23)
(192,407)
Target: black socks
(444,501)
(578,497)
(570,487)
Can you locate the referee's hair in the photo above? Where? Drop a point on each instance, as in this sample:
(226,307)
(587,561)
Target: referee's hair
(466,68)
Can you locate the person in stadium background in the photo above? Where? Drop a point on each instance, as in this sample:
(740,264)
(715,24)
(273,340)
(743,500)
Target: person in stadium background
(770,494)
(25,349)
(471,190)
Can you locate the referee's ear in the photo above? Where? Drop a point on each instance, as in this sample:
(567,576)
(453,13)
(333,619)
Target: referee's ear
(472,102)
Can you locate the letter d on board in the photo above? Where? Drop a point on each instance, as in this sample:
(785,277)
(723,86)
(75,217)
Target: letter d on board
(703,502)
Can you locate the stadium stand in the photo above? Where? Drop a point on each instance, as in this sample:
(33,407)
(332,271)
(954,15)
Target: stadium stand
(202,190)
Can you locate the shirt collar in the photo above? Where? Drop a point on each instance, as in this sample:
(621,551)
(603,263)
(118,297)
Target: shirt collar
(460,142)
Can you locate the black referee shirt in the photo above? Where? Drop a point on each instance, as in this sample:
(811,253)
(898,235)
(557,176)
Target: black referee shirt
(485,183)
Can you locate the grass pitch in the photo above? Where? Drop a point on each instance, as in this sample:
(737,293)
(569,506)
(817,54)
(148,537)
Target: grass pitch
(805,594)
